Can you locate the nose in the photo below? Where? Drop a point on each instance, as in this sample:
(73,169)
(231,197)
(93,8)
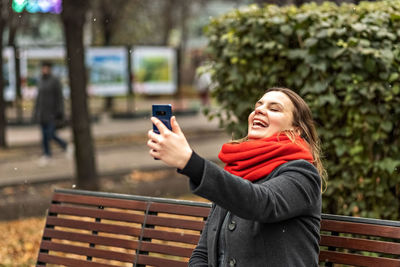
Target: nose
(262,109)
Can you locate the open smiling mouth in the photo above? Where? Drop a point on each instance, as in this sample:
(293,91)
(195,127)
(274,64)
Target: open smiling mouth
(259,124)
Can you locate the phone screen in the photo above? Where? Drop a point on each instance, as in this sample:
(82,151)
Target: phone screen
(163,113)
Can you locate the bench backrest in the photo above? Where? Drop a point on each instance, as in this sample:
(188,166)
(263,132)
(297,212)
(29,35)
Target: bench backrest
(104,229)
(97,229)
(359,241)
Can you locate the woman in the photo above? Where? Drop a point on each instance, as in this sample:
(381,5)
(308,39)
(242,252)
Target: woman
(267,200)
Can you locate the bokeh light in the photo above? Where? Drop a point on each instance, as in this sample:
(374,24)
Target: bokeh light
(35,6)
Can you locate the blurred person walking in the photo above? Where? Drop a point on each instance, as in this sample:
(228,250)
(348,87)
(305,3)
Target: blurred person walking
(49,109)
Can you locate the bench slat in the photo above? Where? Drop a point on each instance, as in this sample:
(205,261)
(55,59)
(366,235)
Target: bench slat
(174,222)
(100,201)
(120,243)
(182,237)
(360,228)
(127,217)
(160,262)
(94,226)
(124,230)
(87,251)
(167,249)
(180,209)
(108,241)
(132,204)
(361,244)
(91,239)
(96,213)
(46,258)
(356,260)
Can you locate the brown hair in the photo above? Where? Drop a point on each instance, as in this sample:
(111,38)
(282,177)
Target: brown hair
(302,120)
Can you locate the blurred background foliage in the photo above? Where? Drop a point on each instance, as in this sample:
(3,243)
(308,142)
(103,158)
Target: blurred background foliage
(345,62)
(176,23)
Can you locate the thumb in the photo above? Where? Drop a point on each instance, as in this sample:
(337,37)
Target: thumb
(175,126)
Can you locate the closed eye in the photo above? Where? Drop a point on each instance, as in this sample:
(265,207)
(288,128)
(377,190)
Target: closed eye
(275,107)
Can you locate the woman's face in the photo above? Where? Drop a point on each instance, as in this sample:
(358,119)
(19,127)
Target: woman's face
(273,113)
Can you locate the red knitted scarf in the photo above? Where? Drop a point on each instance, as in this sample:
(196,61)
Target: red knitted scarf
(256,159)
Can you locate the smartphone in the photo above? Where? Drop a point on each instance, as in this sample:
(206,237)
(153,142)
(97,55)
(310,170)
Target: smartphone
(163,113)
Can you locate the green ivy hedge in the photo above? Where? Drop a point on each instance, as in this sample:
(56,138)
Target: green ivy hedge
(345,62)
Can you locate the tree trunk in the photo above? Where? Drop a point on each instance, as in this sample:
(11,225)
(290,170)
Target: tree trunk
(14,23)
(184,15)
(167,13)
(3,122)
(73,16)
(110,18)
(106,22)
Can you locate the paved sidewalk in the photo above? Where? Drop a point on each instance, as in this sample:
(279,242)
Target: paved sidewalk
(19,164)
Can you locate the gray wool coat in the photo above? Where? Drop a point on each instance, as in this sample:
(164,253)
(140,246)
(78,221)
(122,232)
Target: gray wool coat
(272,222)
(49,102)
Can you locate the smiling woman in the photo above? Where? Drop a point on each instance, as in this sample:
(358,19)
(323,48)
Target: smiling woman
(267,199)
(273,113)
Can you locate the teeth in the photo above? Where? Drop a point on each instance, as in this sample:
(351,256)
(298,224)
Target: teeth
(258,122)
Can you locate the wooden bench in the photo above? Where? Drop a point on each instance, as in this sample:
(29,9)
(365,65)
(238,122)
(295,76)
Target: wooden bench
(86,228)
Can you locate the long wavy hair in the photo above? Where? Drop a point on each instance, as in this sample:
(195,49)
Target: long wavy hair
(303,121)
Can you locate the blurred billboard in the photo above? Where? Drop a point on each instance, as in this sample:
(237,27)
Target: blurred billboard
(108,71)
(154,70)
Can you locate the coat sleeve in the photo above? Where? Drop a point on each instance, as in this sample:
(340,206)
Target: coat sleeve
(35,114)
(293,190)
(199,256)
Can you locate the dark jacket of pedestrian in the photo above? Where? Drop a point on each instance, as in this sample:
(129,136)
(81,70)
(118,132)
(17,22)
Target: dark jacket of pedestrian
(274,221)
(49,103)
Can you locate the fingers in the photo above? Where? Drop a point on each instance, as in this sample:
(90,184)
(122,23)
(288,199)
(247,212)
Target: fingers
(167,145)
(153,145)
(160,126)
(153,136)
(154,153)
(175,126)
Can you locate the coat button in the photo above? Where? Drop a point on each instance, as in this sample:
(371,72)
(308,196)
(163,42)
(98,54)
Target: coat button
(232,262)
(232,225)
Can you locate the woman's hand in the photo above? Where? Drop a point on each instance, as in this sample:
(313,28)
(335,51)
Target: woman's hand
(169,146)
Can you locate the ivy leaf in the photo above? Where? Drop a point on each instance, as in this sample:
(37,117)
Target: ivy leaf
(297,53)
(394,76)
(355,150)
(359,27)
(370,65)
(286,30)
(337,52)
(310,42)
(387,126)
(389,165)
